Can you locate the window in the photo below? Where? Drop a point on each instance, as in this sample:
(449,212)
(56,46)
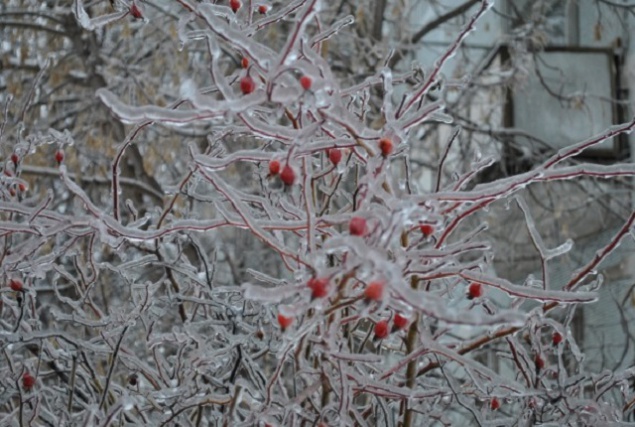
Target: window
(570,95)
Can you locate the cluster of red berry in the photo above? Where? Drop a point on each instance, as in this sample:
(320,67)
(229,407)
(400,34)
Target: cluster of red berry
(14,188)
(374,291)
(237,4)
(381,330)
(11,171)
(248,84)
(287,176)
(399,322)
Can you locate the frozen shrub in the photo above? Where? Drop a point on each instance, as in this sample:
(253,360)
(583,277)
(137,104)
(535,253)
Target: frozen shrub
(251,248)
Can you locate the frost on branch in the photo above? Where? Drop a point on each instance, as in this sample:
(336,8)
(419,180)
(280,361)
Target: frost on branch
(92,24)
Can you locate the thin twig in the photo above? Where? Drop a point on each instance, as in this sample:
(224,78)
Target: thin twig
(112,367)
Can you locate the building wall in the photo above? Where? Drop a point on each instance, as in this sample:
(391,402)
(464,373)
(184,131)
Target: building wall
(587,212)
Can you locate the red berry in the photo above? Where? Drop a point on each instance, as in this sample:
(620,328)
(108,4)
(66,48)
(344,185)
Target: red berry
(357,226)
(400,321)
(15,285)
(319,287)
(381,329)
(244,62)
(135,11)
(22,187)
(12,192)
(335,155)
(235,5)
(7,172)
(247,85)
(28,381)
(474,291)
(374,291)
(15,159)
(274,167)
(263,9)
(556,338)
(306,82)
(59,156)
(539,362)
(495,404)
(427,230)
(284,321)
(385,145)
(287,175)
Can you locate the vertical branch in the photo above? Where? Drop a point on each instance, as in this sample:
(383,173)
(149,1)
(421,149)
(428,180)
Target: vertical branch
(115,168)
(378,19)
(29,98)
(444,156)
(113,363)
(72,386)
(431,79)
(411,342)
